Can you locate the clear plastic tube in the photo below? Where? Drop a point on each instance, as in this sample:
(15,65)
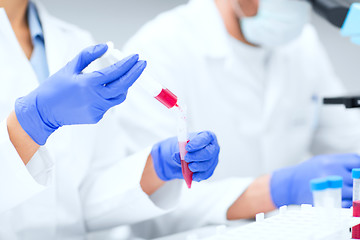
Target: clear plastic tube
(183,140)
(320,198)
(154,88)
(335,191)
(167,98)
(319,188)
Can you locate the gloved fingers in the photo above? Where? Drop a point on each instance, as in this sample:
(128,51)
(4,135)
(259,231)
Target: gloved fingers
(346,203)
(350,161)
(176,158)
(200,166)
(113,72)
(96,119)
(205,154)
(347,192)
(348,181)
(116,100)
(121,85)
(200,141)
(87,56)
(199,176)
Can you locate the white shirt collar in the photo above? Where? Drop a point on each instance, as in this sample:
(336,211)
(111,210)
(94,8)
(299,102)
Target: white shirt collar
(215,41)
(211,31)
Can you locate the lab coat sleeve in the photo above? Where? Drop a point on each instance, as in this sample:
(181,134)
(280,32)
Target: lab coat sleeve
(17,181)
(205,203)
(338,129)
(114,196)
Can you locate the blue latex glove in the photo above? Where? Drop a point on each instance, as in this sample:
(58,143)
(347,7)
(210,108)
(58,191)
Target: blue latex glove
(70,97)
(292,185)
(203,156)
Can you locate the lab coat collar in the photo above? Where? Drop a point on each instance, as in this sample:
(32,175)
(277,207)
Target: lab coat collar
(7,34)
(52,35)
(215,41)
(253,55)
(52,39)
(212,32)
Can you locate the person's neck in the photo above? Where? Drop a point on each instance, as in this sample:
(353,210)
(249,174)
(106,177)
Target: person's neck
(16,12)
(231,20)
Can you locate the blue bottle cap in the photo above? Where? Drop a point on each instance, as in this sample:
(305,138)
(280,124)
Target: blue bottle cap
(335,181)
(319,184)
(356,173)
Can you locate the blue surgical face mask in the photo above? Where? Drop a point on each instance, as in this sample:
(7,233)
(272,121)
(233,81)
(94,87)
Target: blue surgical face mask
(277,22)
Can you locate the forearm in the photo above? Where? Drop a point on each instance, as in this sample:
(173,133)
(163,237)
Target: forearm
(255,199)
(24,145)
(150,182)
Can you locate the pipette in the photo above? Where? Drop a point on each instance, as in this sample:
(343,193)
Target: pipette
(155,89)
(183,140)
(167,98)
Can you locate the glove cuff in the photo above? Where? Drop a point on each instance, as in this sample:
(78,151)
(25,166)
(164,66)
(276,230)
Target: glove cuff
(280,187)
(30,119)
(156,157)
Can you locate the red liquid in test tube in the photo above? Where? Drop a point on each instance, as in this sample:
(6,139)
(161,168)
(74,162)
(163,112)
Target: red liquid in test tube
(167,98)
(356,213)
(187,174)
(355,231)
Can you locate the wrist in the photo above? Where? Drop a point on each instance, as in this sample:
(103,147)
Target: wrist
(157,163)
(254,200)
(22,142)
(150,182)
(281,186)
(30,119)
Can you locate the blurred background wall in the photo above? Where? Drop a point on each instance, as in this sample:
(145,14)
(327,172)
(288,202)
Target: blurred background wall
(117,20)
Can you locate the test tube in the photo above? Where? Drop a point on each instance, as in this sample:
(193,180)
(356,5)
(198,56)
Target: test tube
(183,140)
(356,201)
(155,89)
(167,98)
(334,191)
(318,188)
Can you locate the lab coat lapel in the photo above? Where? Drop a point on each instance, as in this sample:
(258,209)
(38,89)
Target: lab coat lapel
(56,41)
(8,38)
(276,84)
(16,69)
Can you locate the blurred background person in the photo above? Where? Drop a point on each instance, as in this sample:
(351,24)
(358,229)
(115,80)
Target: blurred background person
(255,73)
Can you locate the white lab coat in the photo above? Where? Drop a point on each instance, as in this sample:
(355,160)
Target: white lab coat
(264,106)
(77,182)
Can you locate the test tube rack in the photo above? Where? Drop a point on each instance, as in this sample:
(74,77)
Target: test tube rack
(306,223)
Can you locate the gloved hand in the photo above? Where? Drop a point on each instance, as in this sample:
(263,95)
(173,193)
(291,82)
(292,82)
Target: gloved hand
(292,185)
(70,97)
(203,156)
